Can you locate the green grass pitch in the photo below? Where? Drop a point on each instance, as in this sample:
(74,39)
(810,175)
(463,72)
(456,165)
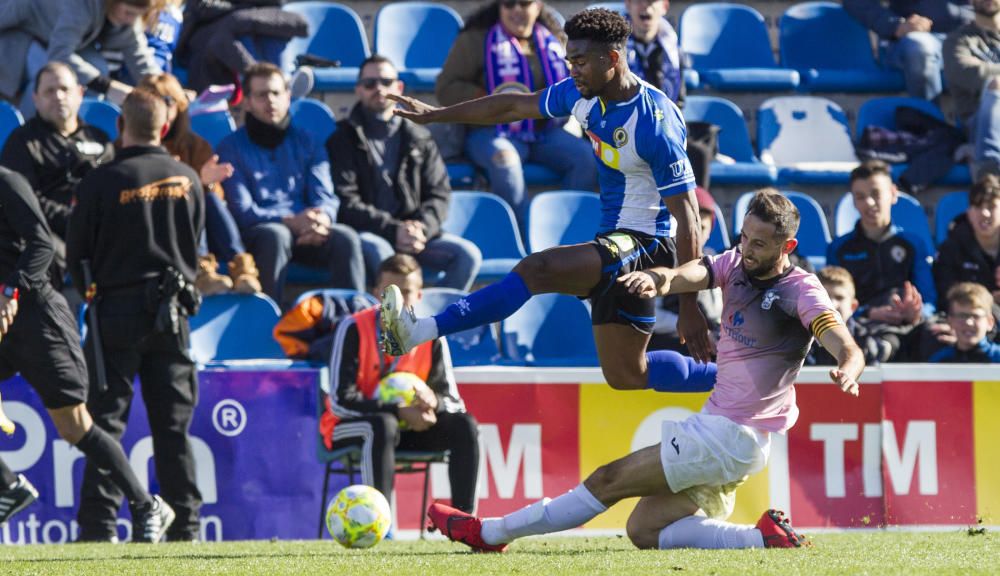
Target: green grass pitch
(878,553)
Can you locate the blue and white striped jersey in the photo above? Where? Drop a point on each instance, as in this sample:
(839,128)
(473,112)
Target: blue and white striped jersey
(640,148)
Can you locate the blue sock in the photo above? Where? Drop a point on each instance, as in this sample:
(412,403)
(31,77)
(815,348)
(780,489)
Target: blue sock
(490,304)
(669,371)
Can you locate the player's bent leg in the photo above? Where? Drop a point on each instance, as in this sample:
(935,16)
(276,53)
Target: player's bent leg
(621,350)
(573,269)
(638,474)
(653,513)
(72,422)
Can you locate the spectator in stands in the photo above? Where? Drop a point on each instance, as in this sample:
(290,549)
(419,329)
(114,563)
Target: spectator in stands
(55,149)
(281,194)
(890,266)
(665,334)
(436,420)
(393,184)
(971,318)
(912,32)
(878,341)
(222,235)
(523,41)
(73,31)
(162,27)
(972,68)
(221,39)
(655,56)
(971,253)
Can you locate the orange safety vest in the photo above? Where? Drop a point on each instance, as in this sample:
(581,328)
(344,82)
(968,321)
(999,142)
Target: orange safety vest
(372,362)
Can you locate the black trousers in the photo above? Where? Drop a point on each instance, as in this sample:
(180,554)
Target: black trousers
(169,385)
(379,436)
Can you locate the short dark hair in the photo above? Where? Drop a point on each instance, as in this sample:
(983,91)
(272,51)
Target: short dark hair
(402,264)
(870,168)
(599,25)
(51,67)
(774,208)
(985,191)
(261,70)
(375,59)
(144,113)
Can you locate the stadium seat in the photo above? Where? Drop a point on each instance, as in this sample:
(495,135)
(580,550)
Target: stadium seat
(718,238)
(10,120)
(807,138)
(101,114)
(213,126)
(335,33)
(906,213)
(882,112)
(814,232)
(314,117)
(359,300)
(235,327)
(487,221)
(416,37)
(734,141)
(549,330)
(562,217)
(538,175)
(461,175)
(729,46)
(832,51)
(947,209)
(473,347)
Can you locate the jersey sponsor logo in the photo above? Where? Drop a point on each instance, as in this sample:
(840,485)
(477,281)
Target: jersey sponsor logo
(172,188)
(620,137)
(681,168)
(855,256)
(769,298)
(738,319)
(605,152)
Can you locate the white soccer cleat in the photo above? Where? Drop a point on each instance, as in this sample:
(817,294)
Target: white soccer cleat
(398,323)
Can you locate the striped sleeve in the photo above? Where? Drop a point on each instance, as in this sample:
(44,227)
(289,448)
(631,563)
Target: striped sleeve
(824,322)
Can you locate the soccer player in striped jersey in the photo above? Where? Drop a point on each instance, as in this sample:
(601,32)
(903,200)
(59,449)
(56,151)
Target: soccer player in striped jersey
(638,138)
(686,484)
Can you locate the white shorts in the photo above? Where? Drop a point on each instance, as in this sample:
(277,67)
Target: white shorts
(707,457)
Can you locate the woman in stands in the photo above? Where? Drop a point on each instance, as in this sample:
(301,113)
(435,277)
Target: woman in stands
(514,46)
(221,233)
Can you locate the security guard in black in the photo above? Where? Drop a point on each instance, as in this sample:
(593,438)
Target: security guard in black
(137,220)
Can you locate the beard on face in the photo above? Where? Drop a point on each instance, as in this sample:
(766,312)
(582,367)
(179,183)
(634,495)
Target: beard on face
(761,267)
(986,8)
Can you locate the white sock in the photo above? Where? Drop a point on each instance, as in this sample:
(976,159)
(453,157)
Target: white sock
(701,532)
(425,330)
(576,507)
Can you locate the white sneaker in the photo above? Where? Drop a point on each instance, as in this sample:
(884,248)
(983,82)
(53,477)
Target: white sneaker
(151,524)
(398,323)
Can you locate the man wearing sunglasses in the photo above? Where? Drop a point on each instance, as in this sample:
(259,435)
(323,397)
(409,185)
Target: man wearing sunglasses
(393,184)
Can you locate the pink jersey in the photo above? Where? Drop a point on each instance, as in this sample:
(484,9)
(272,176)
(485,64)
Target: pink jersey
(767,329)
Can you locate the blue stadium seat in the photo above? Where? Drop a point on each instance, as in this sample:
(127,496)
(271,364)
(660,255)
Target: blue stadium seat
(487,221)
(335,33)
(314,117)
(359,300)
(814,232)
(101,114)
(235,327)
(718,238)
(832,51)
(461,175)
(416,36)
(730,48)
(807,138)
(882,112)
(734,141)
(562,217)
(550,330)
(10,120)
(907,213)
(948,207)
(538,175)
(473,347)
(213,126)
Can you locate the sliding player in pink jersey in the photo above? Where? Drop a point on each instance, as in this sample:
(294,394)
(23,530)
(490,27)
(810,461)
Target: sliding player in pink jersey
(771,313)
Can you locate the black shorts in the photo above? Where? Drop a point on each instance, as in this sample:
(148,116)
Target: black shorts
(44,346)
(624,251)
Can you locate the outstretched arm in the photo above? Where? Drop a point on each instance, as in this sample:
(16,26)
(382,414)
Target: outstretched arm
(850,361)
(488,110)
(661,281)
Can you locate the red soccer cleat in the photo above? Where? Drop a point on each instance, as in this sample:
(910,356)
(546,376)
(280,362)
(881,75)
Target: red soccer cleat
(778,532)
(460,527)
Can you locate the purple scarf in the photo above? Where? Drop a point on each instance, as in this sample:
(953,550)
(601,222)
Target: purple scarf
(507,70)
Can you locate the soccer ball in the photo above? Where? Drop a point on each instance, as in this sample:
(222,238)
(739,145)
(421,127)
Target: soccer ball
(358,517)
(399,388)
